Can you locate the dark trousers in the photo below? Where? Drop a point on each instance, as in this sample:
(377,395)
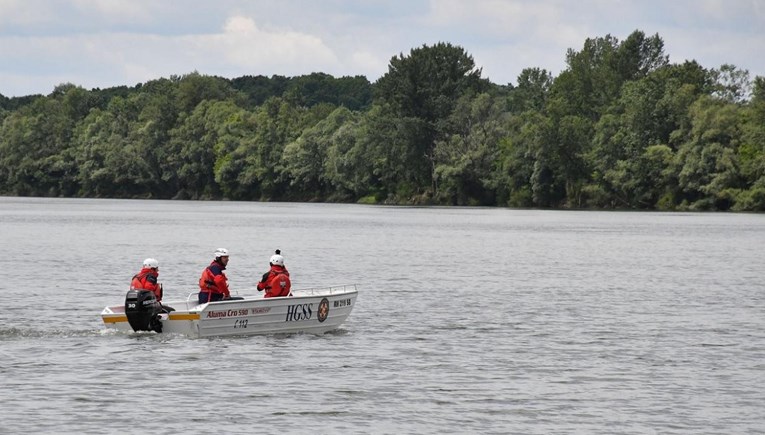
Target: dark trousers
(205,297)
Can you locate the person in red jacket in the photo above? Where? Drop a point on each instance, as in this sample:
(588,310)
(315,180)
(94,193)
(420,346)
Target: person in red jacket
(146,279)
(213,285)
(276,282)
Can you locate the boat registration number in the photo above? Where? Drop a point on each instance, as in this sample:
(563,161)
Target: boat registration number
(342,303)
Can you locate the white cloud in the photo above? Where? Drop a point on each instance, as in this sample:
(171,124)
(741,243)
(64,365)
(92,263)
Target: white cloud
(102,43)
(495,17)
(114,10)
(368,64)
(513,34)
(16,13)
(243,44)
(516,34)
(241,48)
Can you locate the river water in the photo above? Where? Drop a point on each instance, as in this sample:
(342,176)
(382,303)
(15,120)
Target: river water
(468,320)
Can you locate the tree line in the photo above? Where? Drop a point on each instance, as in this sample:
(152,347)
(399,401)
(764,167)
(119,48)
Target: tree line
(619,128)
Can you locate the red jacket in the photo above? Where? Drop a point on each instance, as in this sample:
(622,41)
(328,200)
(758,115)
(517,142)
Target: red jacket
(276,282)
(213,280)
(146,279)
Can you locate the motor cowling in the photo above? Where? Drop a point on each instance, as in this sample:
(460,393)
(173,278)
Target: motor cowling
(142,310)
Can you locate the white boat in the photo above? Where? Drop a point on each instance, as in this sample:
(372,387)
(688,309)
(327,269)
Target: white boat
(313,310)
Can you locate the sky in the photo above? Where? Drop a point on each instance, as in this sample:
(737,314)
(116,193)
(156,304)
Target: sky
(106,43)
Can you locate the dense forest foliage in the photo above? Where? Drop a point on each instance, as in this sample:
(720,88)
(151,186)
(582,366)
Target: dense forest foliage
(620,127)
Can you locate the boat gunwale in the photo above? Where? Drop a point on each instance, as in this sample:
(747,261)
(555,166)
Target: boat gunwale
(194,312)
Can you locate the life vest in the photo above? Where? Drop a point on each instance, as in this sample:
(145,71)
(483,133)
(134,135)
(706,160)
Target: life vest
(278,283)
(146,279)
(213,283)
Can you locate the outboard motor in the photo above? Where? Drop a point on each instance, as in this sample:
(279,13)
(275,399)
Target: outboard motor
(142,310)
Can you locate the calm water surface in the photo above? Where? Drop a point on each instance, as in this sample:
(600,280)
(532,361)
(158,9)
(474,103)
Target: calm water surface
(469,320)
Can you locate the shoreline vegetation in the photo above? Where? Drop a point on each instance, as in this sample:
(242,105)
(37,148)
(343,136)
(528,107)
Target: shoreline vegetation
(620,128)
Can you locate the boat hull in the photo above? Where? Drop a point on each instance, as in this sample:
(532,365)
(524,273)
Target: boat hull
(314,311)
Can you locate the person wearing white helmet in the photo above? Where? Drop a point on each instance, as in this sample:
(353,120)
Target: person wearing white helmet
(213,285)
(146,279)
(276,282)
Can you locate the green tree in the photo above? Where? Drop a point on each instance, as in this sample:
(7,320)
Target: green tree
(708,160)
(111,161)
(349,168)
(258,89)
(121,151)
(732,84)
(310,90)
(751,153)
(650,111)
(643,182)
(197,144)
(388,143)
(466,160)
(520,181)
(235,136)
(157,117)
(254,168)
(305,160)
(595,75)
(638,56)
(194,88)
(421,91)
(34,145)
(532,90)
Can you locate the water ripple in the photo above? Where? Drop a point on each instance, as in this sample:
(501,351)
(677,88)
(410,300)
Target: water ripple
(567,322)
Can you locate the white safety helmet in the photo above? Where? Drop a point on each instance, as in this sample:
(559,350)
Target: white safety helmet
(277,259)
(151,263)
(221,252)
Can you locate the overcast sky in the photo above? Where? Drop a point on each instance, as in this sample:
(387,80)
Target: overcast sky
(105,43)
